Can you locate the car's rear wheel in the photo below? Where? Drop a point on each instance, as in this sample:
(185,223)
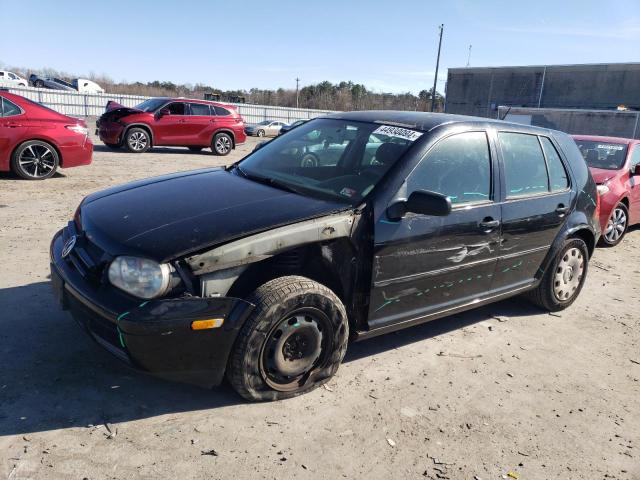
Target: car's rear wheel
(195,149)
(293,341)
(260,133)
(137,140)
(563,281)
(616,226)
(35,160)
(222,144)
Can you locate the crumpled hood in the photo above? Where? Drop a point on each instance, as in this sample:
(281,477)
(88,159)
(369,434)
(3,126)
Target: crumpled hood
(173,215)
(601,175)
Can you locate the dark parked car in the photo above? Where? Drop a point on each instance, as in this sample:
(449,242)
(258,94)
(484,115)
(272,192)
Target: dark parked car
(35,140)
(615,166)
(50,82)
(285,128)
(181,122)
(263,271)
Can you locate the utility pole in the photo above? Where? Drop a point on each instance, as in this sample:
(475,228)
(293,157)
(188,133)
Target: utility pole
(469,56)
(297,85)
(435,80)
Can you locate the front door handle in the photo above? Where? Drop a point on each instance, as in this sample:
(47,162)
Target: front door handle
(13,125)
(561,209)
(489,224)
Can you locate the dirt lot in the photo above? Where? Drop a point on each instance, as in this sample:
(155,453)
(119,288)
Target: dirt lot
(503,390)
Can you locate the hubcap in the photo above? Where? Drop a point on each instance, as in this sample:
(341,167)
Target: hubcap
(293,348)
(137,141)
(616,225)
(223,145)
(569,274)
(37,161)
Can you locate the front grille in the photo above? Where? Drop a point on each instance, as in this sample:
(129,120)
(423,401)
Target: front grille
(87,258)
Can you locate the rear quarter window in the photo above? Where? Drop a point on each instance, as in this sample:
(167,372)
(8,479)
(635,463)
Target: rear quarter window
(558,178)
(221,111)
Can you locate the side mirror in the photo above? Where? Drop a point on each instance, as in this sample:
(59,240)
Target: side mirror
(163,112)
(422,202)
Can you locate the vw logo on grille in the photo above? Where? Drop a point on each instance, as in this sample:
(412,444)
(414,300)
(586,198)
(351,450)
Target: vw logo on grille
(68,246)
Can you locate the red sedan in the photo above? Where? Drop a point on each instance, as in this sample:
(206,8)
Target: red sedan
(615,166)
(35,140)
(179,122)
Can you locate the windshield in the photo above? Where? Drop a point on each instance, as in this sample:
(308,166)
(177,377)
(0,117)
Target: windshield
(606,155)
(151,105)
(336,159)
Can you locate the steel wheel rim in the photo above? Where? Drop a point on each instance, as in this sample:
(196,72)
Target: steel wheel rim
(616,225)
(223,144)
(569,274)
(137,141)
(294,347)
(37,161)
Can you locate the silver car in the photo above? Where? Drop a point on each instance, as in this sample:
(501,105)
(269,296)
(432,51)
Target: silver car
(265,128)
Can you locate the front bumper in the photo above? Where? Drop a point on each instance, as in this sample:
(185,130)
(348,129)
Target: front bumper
(110,132)
(153,336)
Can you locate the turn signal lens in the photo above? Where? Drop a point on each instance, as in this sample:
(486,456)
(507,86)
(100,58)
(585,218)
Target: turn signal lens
(207,324)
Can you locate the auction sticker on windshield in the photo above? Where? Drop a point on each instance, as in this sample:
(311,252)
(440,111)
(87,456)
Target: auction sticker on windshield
(611,147)
(398,132)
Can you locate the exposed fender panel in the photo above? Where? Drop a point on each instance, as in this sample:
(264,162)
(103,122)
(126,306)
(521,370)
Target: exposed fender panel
(266,244)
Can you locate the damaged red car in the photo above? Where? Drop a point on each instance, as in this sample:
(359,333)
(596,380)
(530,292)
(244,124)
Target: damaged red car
(615,166)
(176,122)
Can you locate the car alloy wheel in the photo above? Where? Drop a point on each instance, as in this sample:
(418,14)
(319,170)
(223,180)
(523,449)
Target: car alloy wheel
(293,348)
(568,275)
(138,141)
(37,161)
(223,145)
(616,225)
(260,133)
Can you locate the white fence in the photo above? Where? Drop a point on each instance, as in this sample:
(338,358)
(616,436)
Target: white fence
(92,105)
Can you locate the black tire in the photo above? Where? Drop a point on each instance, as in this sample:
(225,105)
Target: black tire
(263,345)
(137,140)
(38,84)
(310,160)
(35,160)
(113,146)
(195,149)
(557,282)
(21,85)
(260,133)
(222,144)
(619,223)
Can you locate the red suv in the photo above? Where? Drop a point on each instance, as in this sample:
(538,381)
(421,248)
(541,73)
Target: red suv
(35,140)
(615,166)
(181,122)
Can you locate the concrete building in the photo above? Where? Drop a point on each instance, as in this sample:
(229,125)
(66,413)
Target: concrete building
(596,88)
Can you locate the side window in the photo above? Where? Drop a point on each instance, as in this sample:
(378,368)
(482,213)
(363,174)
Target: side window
(1,74)
(221,111)
(199,109)
(9,109)
(558,179)
(524,165)
(176,108)
(458,166)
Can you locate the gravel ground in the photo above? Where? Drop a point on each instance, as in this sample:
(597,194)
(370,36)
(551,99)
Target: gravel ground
(505,391)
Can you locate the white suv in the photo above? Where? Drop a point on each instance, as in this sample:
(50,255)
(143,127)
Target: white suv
(11,79)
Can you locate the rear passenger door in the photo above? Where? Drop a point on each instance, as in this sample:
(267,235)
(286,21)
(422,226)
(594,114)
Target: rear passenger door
(424,264)
(537,199)
(200,125)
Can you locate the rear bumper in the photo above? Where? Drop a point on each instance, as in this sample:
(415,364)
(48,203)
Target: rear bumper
(76,154)
(153,336)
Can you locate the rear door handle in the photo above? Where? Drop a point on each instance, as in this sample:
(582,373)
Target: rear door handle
(561,210)
(489,223)
(13,125)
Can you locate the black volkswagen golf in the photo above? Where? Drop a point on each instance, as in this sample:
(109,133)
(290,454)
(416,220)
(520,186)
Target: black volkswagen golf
(262,271)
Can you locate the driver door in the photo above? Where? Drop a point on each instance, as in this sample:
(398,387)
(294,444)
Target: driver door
(172,127)
(423,264)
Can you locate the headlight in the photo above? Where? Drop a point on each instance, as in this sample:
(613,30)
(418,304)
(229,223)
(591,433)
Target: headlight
(141,277)
(602,189)
(78,129)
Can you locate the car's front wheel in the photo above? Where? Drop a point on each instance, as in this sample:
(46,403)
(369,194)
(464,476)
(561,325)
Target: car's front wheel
(137,140)
(293,341)
(222,144)
(35,160)
(260,133)
(562,282)
(616,226)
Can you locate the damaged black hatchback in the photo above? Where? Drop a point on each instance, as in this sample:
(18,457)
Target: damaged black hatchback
(346,227)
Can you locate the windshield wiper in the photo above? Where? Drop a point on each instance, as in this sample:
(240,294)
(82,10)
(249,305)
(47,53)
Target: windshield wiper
(272,182)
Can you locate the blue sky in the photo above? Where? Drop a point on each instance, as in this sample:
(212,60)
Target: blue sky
(386,45)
